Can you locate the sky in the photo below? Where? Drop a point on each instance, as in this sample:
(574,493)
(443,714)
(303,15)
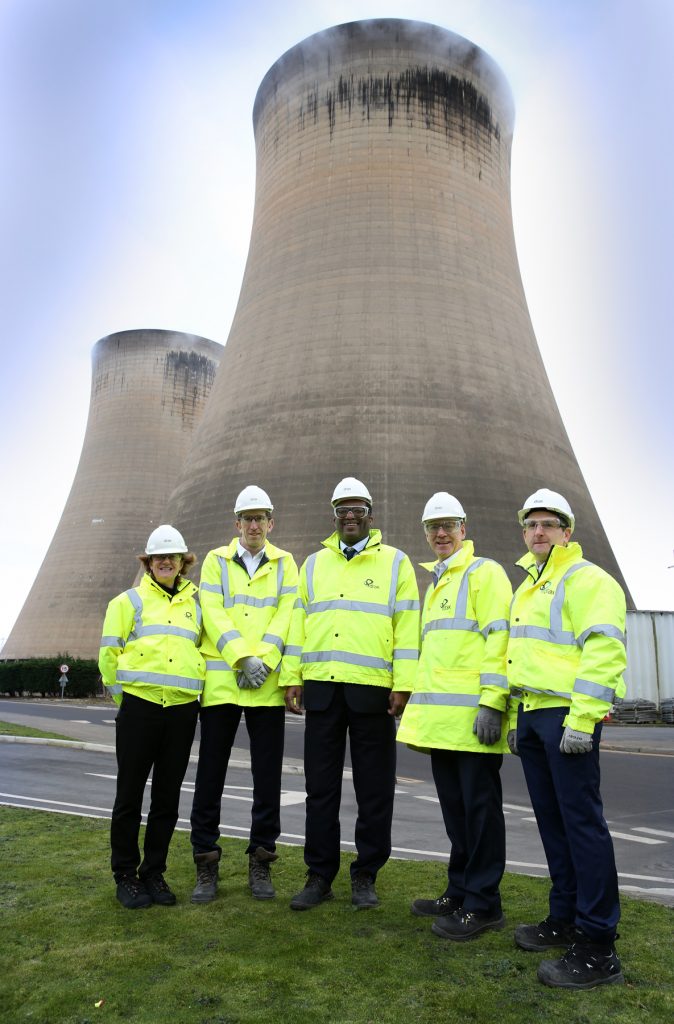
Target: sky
(127,173)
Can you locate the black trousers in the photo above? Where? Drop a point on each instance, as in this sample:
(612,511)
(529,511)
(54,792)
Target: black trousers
(373,759)
(266,728)
(564,791)
(471,800)
(148,737)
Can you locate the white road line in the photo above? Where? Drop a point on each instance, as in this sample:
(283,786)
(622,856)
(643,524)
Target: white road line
(430,799)
(636,839)
(108,721)
(655,832)
(518,807)
(292,796)
(79,721)
(60,803)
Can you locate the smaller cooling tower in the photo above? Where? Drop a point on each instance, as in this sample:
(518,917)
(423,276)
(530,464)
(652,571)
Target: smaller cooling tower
(148,392)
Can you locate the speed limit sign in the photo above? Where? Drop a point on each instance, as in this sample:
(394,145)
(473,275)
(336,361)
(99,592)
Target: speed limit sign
(64,669)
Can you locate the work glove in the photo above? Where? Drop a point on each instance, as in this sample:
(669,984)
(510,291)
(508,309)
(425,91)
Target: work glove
(487,726)
(512,741)
(574,742)
(254,671)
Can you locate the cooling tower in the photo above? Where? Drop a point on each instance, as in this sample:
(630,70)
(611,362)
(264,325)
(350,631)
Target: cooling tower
(382,329)
(148,392)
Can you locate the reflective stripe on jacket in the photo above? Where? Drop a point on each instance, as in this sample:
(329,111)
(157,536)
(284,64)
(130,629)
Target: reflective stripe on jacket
(355,621)
(149,646)
(245,617)
(567,638)
(464,635)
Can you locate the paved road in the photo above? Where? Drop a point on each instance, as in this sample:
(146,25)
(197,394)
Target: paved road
(638,796)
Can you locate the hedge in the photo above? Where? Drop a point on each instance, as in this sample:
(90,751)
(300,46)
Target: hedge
(40,677)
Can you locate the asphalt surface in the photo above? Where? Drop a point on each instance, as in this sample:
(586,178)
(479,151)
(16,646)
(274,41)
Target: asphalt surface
(78,776)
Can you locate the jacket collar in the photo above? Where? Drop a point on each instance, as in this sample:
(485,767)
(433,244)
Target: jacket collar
(559,558)
(270,550)
(463,556)
(332,541)
(183,583)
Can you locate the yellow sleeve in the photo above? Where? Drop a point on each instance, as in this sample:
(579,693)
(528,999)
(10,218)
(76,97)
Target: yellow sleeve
(276,634)
(492,595)
(116,628)
(406,628)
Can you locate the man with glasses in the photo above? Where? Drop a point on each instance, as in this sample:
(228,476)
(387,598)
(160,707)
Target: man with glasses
(351,659)
(247,593)
(566,656)
(457,714)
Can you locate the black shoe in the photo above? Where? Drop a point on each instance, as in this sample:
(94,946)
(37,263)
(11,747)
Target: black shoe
(259,874)
(316,891)
(159,891)
(584,965)
(441,907)
(464,924)
(546,935)
(132,894)
(363,895)
(207,876)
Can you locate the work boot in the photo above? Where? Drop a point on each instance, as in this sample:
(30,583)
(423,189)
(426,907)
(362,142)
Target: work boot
(315,891)
(546,935)
(363,895)
(259,874)
(585,964)
(442,907)
(132,894)
(464,924)
(207,876)
(158,890)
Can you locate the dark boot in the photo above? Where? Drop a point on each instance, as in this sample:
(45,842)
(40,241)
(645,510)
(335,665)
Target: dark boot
(435,908)
(585,964)
(316,891)
(363,895)
(546,935)
(132,893)
(464,924)
(259,874)
(207,876)
(159,891)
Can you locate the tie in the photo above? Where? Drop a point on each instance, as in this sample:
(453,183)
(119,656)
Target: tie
(437,573)
(350,552)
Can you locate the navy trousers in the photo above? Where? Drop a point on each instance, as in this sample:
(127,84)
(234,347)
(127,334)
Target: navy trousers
(471,800)
(564,791)
(266,729)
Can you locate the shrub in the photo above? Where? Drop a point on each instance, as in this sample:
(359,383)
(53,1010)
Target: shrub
(40,677)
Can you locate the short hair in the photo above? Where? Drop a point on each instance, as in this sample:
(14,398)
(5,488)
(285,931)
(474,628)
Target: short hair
(189,560)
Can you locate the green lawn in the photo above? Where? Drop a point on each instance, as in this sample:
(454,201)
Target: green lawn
(12,729)
(66,944)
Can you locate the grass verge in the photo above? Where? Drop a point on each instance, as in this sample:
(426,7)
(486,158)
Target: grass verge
(67,944)
(13,729)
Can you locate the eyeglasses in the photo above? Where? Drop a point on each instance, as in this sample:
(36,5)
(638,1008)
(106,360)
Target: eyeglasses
(255,519)
(448,526)
(342,511)
(545,524)
(163,558)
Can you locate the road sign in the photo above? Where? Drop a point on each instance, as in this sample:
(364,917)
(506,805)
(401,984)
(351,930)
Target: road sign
(64,669)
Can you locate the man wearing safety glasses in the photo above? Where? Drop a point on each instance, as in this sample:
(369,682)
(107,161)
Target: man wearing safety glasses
(566,656)
(350,661)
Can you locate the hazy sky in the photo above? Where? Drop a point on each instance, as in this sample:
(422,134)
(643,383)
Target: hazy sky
(126,195)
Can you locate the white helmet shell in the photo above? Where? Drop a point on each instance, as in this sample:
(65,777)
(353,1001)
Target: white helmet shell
(165,540)
(442,504)
(550,501)
(350,489)
(252,497)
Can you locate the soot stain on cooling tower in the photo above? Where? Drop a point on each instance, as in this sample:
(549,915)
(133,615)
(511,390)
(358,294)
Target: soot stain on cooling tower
(188,377)
(437,95)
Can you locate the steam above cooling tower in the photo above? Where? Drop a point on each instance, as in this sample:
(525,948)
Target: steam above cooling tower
(148,392)
(382,329)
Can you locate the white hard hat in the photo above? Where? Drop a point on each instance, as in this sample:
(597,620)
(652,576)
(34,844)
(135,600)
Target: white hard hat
(252,497)
(349,489)
(165,540)
(549,500)
(442,504)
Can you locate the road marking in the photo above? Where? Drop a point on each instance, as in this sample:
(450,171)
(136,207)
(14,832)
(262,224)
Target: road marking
(108,721)
(655,832)
(60,803)
(431,799)
(79,721)
(518,807)
(636,839)
(292,796)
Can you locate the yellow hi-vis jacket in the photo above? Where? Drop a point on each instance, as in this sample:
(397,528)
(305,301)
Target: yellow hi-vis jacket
(355,621)
(245,617)
(149,646)
(567,638)
(464,635)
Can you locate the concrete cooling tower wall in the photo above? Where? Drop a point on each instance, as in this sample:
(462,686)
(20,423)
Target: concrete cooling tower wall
(382,329)
(148,393)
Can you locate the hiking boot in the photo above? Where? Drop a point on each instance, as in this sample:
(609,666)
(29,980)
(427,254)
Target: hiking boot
(464,924)
(315,891)
(442,907)
(132,894)
(363,895)
(546,935)
(584,965)
(259,874)
(207,876)
(159,891)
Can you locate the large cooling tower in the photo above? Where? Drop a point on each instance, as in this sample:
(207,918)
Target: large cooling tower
(148,392)
(382,329)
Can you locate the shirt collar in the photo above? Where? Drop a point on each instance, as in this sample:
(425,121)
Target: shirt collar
(358,546)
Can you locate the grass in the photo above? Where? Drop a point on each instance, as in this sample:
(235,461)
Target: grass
(67,943)
(12,729)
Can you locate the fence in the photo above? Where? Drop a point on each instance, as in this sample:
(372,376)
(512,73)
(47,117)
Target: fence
(650,656)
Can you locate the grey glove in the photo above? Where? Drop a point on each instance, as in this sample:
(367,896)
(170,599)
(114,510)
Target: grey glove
(512,741)
(487,726)
(242,682)
(255,672)
(574,742)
